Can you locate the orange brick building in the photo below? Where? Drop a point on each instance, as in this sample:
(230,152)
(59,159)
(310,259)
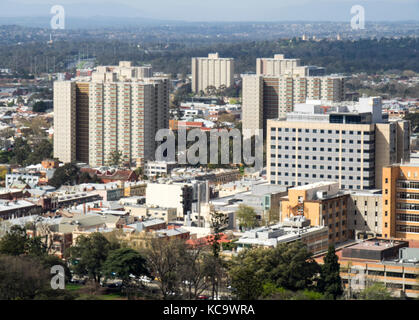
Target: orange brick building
(323,204)
(401,202)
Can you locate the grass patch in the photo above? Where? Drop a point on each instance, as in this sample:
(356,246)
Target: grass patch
(73,287)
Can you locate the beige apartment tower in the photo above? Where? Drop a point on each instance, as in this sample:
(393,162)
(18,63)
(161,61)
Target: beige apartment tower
(212,71)
(278,65)
(119,110)
(65,121)
(275,96)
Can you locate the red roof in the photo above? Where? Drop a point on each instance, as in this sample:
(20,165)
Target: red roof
(205,241)
(124,175)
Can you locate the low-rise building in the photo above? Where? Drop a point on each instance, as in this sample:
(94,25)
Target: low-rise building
(390,262)
(294,229)
(323,204)
(132,189)
(32,179)
(18,208)
(161,168)
(365,214)
(145,212)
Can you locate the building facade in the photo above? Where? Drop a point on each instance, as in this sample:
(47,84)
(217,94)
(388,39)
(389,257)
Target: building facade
(334,143)
(323,204)
(212,71)
(401,201)
(270,97)
(365,214)
(65,121)
(278,65)
(119,110)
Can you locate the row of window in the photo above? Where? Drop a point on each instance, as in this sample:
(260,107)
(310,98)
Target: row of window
(407,195)
(410,229)
(365,213)
(321,140)
(292,183)
(315,175)
(365,223)
(321,131)
(408,184)
(408,217)
(408,206)
(287,156)
(321,149)
(366,203)
(314,166)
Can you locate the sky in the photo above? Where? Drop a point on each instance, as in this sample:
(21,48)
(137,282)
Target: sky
(219,10)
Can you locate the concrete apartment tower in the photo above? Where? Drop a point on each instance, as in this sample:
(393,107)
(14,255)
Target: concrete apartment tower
(284,83)
(119,109)
(212,71)
(65,121)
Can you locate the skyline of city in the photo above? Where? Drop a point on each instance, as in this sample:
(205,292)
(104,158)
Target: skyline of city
(112,129)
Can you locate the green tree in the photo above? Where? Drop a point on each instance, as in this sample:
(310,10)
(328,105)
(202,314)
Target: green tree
(41,151)
(246,216)
(330,282)
(22,278)
(214,265)
(292,266)
(289,266)
(89,255)
(39,106)
(14,242)
(248,275)
(377,291)
(163,261)
(271,291)
(115,158)
(192,269)
(21,151)
(124,263)
(414,120)
(67,174)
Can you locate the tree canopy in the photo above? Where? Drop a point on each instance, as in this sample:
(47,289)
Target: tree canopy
(246,216)
(330,282)
(89,254)
(289,266)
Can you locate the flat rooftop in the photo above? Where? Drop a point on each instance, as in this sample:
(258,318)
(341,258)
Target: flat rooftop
(314,185)
(377,245)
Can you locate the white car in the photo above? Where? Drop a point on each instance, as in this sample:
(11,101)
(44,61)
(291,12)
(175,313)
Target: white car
(145,279)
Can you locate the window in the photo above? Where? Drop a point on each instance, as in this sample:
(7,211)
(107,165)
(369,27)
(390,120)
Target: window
(409,229)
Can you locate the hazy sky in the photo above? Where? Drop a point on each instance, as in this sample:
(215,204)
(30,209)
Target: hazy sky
(219,10)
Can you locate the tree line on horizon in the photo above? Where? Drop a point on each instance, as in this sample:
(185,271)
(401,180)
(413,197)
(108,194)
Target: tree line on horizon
(346,56)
